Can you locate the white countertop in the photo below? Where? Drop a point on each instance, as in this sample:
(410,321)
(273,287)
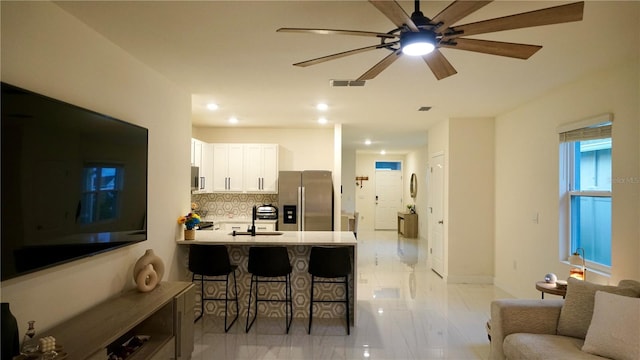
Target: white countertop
(287,238)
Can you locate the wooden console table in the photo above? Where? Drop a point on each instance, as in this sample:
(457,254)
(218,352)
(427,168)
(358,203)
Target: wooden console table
(165,314)
(408,224)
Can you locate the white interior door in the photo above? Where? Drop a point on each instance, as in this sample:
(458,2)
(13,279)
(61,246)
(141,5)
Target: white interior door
(436,213)
(388,198)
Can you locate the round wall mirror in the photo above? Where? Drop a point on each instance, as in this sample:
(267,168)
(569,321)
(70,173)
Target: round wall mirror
(413,186)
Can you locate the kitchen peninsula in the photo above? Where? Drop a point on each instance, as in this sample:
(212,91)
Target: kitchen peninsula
(298,244)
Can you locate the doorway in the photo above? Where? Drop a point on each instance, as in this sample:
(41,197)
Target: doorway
(388,194)
(436,212)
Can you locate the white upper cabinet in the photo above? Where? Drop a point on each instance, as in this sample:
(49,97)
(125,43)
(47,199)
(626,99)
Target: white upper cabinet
(227,167)
(202,157)
(261,168)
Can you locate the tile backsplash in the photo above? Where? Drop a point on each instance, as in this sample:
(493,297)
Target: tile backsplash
(218,205)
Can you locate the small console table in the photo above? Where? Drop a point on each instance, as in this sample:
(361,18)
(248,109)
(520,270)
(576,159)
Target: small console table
(408,224)
(165,314)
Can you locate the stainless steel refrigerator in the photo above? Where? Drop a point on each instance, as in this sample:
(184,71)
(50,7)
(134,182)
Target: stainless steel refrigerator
(305,201)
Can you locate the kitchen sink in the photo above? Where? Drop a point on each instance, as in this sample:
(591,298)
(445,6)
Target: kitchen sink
(258,233)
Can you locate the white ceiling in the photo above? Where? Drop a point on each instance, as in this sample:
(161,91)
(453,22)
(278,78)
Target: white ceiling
(228,52)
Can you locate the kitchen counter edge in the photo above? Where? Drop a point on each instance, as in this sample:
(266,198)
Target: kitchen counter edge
(287,238)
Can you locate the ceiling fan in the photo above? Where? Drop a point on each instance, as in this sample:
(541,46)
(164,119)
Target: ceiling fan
(417,35)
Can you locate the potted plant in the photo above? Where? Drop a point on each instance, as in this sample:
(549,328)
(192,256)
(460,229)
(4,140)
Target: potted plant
(190,221)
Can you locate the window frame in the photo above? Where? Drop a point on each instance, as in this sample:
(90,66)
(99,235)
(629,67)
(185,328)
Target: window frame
(567,185)
(118,188)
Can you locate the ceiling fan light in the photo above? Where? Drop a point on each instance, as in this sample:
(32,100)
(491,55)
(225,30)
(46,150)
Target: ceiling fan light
(418,43)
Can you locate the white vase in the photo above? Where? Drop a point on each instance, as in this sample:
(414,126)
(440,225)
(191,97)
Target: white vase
(142,272)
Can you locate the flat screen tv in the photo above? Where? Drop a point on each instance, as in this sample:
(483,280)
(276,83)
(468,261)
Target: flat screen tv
(74,182)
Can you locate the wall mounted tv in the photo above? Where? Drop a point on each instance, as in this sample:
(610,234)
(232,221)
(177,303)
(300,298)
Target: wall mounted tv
(74,182)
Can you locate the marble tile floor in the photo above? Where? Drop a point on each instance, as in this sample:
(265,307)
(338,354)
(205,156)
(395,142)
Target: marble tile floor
(405,311)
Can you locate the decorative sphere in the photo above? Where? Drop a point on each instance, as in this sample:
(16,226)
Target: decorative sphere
(550,278)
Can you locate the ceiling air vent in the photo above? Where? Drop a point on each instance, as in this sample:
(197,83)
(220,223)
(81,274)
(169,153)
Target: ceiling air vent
(424,108)
(343,83)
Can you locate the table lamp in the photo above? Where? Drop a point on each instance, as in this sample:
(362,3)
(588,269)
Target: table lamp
(577,266)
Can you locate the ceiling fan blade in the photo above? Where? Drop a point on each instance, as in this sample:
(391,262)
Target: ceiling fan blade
(395,13)
(341,54)
(379,67)
(548,16)
(455,12)
(439,65)
(520,51)
(337,32)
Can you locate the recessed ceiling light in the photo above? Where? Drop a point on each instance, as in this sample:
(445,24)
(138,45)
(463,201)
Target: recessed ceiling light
(382,152)
(233,120)
(322,120)
(212,106)
(322,107)
(367,142)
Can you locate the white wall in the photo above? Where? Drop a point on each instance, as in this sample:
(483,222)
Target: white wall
(299,149)
(416,162)
(471,200)
(348,180)
(46,50)
(527,178)
(468,148)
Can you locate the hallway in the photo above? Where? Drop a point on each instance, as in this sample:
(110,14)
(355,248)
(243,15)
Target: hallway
(405,311)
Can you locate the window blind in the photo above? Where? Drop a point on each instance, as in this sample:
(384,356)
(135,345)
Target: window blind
(598,127)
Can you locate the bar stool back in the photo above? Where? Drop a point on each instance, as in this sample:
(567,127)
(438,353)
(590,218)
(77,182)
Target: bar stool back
(270,262)
(207,262)
(330,264)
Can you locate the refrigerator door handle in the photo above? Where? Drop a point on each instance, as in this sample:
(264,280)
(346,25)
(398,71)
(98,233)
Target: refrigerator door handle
(301,208)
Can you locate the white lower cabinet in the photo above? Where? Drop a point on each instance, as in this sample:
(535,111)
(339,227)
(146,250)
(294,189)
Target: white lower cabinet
(230,227)
(265,227)
(244,226)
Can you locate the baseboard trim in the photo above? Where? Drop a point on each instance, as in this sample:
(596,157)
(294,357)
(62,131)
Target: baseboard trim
(453,279)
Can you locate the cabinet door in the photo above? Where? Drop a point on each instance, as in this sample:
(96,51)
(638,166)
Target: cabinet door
(235,167)
(197,153)
(206,169)
(227,167)
(261,168)
(202,157)
(229,227)
(270,168)
(265,227)
(184,314)
(220,167)
(193,152)
(253,167)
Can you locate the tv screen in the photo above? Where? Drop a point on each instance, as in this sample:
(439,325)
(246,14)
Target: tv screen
(74,182)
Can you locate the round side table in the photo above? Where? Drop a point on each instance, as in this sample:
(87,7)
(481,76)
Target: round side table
(547,288)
